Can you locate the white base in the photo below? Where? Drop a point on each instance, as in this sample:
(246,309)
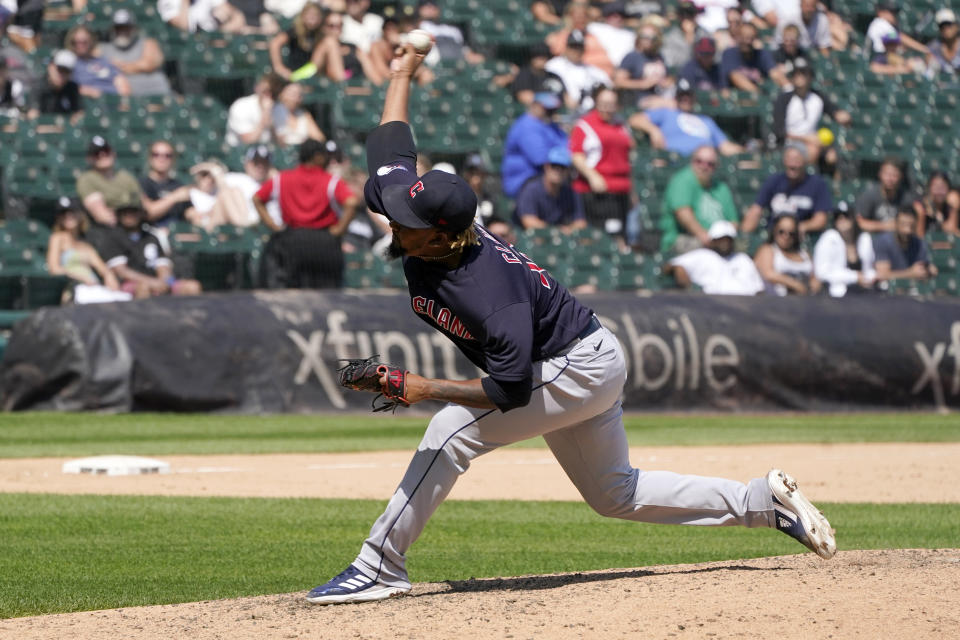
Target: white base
(116,466)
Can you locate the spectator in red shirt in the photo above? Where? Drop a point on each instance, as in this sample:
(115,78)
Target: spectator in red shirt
(600,146)
(316,208)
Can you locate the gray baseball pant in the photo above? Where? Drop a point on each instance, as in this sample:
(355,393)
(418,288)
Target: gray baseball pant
(575,406)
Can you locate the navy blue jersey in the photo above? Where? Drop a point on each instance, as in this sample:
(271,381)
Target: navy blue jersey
(501,310)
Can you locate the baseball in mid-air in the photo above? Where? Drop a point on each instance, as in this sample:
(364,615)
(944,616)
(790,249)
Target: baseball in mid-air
(421,40)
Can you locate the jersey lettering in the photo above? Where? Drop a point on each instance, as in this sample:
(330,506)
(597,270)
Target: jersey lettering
(416,188)
(506,254)
(444,318)
(509,254)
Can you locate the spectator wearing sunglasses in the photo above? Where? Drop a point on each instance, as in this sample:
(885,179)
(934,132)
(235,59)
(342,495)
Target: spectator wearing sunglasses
(165,199)
(783,263)
(95,75)
(693,201)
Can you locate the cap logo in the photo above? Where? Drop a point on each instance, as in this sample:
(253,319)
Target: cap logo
(416,188)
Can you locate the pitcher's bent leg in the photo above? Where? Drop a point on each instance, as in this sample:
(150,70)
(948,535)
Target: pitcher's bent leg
(444,453)
(595,456)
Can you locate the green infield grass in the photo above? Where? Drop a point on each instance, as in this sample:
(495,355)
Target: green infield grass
(70,553)
(80,434)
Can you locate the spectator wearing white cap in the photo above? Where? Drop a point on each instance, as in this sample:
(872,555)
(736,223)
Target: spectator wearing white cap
(945,50)
(717,268)
(136,55)
(61,94)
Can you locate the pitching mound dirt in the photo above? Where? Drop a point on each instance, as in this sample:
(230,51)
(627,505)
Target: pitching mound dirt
(859,594)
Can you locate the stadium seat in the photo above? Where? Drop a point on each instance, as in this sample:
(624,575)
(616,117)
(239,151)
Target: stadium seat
(31,234)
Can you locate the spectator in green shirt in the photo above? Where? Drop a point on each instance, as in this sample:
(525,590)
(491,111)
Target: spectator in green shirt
(103,187)
(694,201)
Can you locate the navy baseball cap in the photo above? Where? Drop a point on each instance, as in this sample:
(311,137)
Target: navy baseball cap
(438,199)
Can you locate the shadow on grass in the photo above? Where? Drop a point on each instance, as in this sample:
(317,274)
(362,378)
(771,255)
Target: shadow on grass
(532,583)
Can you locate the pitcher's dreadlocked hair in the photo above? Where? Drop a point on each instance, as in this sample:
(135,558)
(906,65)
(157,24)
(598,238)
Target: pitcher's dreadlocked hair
(465,238)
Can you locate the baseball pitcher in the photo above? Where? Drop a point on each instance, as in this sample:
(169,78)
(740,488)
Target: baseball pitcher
(551,368)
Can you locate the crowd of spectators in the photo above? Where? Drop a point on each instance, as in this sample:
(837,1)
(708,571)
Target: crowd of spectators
(608,80)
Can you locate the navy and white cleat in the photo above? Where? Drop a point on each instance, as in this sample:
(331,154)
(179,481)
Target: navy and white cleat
(352,586)
(798,518)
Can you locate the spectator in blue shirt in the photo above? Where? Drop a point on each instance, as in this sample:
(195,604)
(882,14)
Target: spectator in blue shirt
(95,76)
(796,192)
(551,201)
(528,141)
(680,129)
(745,65)
(902,254)
(703,72)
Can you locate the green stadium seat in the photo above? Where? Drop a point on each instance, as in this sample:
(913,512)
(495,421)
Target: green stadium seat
(25,233)
(947,284)
(913,288)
